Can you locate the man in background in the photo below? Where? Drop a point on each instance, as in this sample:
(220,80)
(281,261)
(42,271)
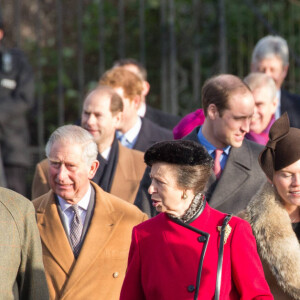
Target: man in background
(134,132)
(271,56)
(228,106)
(157,116)
(265,96)
(16,98)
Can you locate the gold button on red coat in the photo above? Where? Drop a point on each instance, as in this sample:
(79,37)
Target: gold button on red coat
(116,275)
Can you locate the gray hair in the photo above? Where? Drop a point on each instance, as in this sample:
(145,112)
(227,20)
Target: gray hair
(271,45)
(261,80)
(75,135)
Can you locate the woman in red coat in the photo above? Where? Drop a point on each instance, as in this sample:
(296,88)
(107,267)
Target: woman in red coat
(190,251)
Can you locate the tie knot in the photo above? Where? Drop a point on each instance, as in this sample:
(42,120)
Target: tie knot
(217,165)
(75,208)
(219,152)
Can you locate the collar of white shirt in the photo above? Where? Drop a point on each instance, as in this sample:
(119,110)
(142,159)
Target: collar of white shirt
(82,204)
(132,134)
(105,153)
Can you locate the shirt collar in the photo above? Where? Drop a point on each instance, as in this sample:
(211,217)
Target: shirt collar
(83,203)
(105,153)
(131,134)
(142,110)
(208,146)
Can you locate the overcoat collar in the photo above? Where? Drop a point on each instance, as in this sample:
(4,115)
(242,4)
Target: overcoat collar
(277,243)
(237,171)
(103,225)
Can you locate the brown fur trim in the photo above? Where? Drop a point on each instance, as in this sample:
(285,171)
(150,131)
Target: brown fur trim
(277,243)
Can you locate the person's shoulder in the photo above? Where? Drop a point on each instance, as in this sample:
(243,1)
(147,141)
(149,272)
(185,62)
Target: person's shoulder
(15,204)
(193,135)
(118,204)
(160,117)
(133,152)
(287,95)
(148,124)
(234,220)
(152,224)
(13,199)
(254,147)
(41,202)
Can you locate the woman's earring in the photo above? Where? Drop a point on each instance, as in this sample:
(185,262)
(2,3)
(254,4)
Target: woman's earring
(184,196)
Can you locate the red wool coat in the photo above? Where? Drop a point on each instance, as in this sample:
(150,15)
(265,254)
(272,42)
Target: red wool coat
(164,258)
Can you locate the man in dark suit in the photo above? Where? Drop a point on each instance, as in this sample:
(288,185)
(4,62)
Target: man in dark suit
(121,169)
(228,107)
(271,56)
(134,132)
(85,232)
(157,116)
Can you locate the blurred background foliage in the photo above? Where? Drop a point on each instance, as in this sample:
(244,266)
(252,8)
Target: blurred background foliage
(70,43)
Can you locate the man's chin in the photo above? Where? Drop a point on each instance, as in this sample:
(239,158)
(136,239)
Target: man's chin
(237,143)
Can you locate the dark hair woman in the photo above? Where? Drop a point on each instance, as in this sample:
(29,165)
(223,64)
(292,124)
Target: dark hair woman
(274,212)
(190,251)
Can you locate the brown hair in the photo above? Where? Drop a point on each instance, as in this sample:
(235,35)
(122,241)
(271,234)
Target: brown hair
(192,177)
(122,78)
(216,90)
(116,103)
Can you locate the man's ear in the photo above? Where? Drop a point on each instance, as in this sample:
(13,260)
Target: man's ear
(93,169)
(137,101)
(1,34)
(146,88)
(212,112)
(117,120)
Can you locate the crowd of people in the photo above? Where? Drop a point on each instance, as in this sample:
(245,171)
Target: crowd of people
(136,203)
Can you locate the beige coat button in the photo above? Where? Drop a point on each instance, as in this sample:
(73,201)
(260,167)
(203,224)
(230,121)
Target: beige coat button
(116,275)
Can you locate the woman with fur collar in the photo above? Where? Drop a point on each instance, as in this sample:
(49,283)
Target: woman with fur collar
(274,212)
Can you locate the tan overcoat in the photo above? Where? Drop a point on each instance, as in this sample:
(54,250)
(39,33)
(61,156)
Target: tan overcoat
(129,172)
(100,268)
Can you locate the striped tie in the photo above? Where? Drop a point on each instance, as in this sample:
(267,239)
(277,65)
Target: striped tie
(217,166)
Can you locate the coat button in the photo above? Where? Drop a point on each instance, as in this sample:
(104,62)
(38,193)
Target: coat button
(116,275)
(191,288)
(201,238)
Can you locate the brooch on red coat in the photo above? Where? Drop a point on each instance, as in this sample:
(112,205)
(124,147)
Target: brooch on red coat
(227,232)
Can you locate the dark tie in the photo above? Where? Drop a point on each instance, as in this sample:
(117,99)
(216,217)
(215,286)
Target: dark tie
(75,230)
(217,166)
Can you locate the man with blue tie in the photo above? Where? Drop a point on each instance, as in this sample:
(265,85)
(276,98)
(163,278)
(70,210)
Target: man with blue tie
(85,232)
(228,105)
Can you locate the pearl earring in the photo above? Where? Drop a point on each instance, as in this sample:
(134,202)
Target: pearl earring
(184,196)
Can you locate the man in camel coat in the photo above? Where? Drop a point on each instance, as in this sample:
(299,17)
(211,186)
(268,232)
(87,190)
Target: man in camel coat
(85,231)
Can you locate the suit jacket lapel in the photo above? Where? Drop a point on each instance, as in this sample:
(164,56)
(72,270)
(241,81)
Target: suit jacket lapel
(53,234)
(236,172)
(233,176)
(102,227)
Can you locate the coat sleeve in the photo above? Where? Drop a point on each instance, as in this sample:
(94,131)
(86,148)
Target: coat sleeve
(31,277)
(247,270)
(132,285)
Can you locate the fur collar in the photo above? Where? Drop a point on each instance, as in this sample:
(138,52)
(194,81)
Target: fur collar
(277,243)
